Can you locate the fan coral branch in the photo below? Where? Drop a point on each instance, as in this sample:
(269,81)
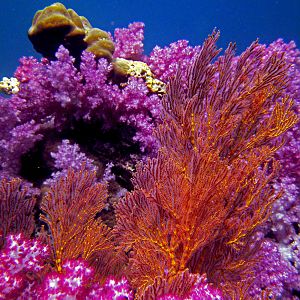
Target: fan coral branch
(199,202)
(70,207)
(16,208)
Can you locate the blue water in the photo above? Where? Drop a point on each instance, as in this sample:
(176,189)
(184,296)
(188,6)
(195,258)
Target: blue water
(166,21)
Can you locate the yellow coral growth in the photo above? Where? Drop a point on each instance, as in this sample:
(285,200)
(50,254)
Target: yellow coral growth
(9,85)
(56,25)
(139,69)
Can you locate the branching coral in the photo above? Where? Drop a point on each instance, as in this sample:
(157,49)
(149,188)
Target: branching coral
(209,188)
(183,286)
(16,208)
(69,209)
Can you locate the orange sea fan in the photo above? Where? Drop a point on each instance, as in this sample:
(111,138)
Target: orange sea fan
(69,209)
(197,205)
(16,208)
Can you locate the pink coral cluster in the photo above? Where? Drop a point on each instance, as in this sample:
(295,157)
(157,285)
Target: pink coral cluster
(165,61)
(24,276)
(20,258)
(129,41)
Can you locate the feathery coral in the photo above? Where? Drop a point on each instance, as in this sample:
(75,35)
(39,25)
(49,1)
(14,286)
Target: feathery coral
(16,208)
(70,208)
(209,188)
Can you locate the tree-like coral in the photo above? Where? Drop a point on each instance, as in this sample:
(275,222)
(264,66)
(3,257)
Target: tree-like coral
(69,209)
(183,286)
(199,202)
(16,208)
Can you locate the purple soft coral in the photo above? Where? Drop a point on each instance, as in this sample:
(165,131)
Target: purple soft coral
(284,222)
(164,62)
(275,275)
(69,155)
(55,94)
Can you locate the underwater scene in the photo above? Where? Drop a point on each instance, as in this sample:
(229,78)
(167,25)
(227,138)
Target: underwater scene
(150,150)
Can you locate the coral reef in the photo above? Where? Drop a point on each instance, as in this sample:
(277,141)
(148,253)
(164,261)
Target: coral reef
(173,176)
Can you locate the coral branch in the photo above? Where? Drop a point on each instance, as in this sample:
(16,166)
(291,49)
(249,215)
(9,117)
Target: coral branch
(70,208)
(16,208)
(209,188)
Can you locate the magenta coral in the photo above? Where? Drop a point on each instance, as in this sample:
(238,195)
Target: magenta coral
(112,289)
(76,282)
(72,283)
(204,291)
(20,257)
(164,62)
(129,41)
(69,155)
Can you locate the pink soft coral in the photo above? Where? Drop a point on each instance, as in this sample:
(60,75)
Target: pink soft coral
(19,258)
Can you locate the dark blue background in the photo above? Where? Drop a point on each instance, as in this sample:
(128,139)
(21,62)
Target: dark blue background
(166,21)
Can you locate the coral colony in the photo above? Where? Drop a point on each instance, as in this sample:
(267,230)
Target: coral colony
(169,176)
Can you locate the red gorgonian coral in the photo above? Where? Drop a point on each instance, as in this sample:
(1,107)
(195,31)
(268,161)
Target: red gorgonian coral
(197,205)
